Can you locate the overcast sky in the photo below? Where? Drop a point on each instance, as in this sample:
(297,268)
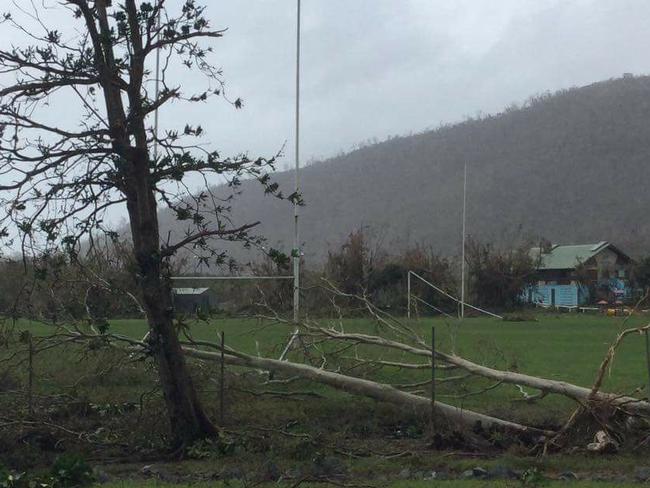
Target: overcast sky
(373,68)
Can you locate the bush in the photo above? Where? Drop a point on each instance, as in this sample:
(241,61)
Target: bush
(12,480)
(70,471)
(497,277)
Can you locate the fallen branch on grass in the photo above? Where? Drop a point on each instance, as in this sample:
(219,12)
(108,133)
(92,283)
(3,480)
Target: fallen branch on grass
(580,394)
(583,396)
(466,419)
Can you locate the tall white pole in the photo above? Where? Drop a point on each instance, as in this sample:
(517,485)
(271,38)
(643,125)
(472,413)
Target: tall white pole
(157,92)
(462,259)
(296,236)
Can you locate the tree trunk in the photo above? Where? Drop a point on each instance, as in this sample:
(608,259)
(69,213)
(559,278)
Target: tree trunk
(188,421)
(135,180)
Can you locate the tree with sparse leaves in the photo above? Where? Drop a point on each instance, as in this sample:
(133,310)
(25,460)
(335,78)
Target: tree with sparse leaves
(60,175)
(497,277)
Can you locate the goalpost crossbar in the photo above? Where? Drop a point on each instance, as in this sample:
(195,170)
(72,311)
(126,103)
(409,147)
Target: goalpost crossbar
(225,278)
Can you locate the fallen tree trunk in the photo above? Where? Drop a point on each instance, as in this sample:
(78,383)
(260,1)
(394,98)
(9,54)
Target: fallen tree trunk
(580,394)
(378,391)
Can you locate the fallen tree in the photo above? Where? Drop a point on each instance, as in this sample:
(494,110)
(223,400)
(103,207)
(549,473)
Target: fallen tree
(409,341)
(395,335)
(452,417)
(465,419)
(578,393)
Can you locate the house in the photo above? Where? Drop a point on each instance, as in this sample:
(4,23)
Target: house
(193,300)
(579,274)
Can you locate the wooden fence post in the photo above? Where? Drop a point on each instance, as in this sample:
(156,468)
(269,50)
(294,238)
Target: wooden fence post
(647,359)
(433,380)
(30,379)
(222,380)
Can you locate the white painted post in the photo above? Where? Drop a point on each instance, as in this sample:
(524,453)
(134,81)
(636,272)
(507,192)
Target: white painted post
(296,236)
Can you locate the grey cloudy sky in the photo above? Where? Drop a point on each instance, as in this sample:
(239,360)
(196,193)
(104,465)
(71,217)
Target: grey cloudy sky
(373,68)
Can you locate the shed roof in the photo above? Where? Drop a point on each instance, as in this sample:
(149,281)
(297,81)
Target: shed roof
(190,291)
(568,257)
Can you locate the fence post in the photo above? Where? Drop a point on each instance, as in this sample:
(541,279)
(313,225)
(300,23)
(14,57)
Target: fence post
(222,379)
(647,359)
(30,379)
(408,295)
(433,380)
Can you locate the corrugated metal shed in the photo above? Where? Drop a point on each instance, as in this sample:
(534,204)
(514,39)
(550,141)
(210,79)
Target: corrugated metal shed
(193,300)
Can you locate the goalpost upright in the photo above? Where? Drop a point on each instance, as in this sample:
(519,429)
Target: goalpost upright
(296,235)
(296,251)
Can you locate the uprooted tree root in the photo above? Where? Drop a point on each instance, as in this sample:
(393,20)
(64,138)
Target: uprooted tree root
(600,429)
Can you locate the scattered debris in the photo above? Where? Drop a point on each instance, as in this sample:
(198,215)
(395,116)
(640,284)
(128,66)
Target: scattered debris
(568,476)
(475,473)
(603,443)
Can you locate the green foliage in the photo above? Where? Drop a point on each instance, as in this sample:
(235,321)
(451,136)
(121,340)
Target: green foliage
(360,267)
(70,471)
(533,477)
(212,448)
(34,287)
(349,267)
(497,277)
(9,479)
(112,409)
(641,273)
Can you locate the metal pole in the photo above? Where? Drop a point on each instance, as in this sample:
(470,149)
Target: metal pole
(222,379)
(157,92)
(287,348)
(433,379)
(647,358)
(408,294)
(296,236)
(462,259)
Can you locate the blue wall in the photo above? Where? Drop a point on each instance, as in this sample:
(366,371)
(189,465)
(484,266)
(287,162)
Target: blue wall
(565,295)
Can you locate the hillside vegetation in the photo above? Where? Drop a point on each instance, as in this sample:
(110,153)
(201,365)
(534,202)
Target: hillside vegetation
(570,166)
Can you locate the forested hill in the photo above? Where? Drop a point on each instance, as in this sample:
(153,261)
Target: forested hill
(572,166)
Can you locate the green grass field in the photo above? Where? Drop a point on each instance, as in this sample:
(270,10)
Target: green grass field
(560,346)
(564,346)
(394,484)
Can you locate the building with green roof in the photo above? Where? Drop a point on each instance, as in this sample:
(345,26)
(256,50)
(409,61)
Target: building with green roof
(575,275)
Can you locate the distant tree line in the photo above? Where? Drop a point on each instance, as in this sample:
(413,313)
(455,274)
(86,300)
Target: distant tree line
(57,288)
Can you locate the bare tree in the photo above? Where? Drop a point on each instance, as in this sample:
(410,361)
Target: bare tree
(59,177)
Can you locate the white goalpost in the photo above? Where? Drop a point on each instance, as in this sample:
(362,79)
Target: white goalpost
(411,297)
(296,251)
(232,278)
